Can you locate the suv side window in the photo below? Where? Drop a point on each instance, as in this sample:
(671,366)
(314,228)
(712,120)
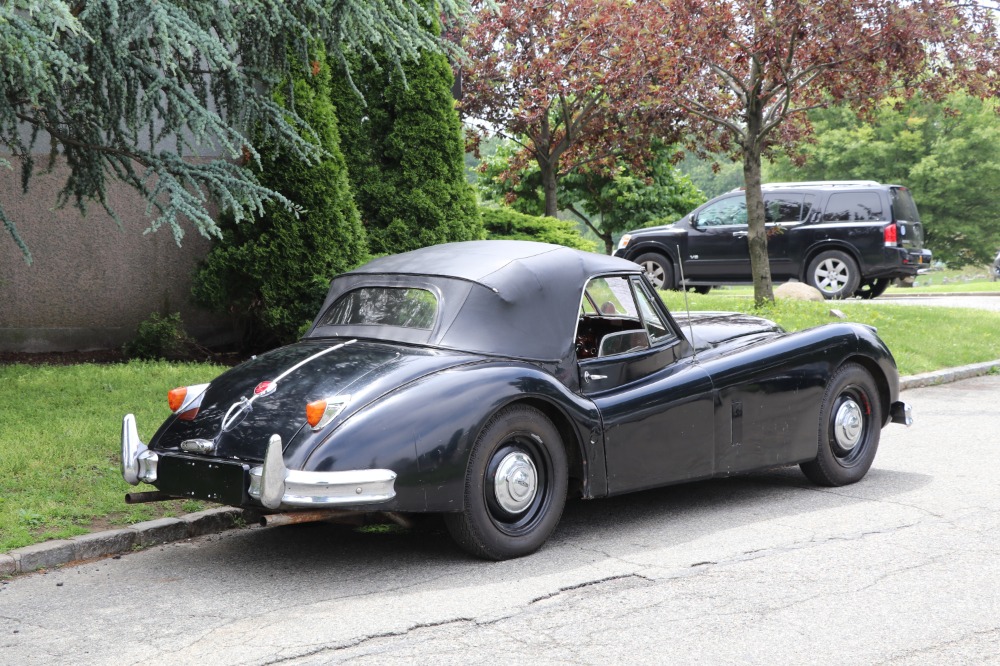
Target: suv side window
(853,207)
(731,211)
(783,207)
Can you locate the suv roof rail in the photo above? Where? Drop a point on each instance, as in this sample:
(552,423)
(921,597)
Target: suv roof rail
(827,183)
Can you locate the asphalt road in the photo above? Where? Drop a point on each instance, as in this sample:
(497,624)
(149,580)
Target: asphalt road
(977,301)
(901,568)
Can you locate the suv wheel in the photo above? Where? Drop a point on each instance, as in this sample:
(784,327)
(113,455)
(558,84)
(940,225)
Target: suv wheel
(658,269)
(834,273)
(872,288)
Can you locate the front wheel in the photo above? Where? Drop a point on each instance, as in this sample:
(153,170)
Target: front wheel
(834,273)
(850,426)
(659,270)
(515,486)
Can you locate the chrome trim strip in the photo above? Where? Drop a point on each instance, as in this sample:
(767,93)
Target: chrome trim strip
(276,486)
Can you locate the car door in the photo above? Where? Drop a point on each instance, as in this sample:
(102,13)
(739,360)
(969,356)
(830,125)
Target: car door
(717,244)
(655,401)
(783,213)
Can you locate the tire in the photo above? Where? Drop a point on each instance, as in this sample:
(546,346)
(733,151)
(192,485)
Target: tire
(872,288)
(850,425)
(702,289)
(659,270)
(834,273)
(503,520)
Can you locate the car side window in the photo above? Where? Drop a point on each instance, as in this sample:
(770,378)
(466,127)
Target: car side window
(854,207)
(726,212)
(783,208)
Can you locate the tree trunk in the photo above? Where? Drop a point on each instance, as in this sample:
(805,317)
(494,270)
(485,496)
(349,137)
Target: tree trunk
(549,184)
(760,266)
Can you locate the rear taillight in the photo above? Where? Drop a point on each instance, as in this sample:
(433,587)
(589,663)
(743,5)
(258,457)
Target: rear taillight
(891,234)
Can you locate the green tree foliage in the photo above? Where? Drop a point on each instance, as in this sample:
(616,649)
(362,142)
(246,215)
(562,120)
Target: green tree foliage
(503,223)
(273,274)
(607,202)
(947,153)
(745,72)
(125,90)
(405,154)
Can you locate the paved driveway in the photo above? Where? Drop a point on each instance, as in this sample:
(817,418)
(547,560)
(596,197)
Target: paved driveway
(901,568)
(979,301)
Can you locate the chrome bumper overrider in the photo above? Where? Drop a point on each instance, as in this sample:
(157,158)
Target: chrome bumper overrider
(900,412)
(275,486)
(138,462)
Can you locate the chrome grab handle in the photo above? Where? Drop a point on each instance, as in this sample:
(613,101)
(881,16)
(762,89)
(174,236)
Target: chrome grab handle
(588,377)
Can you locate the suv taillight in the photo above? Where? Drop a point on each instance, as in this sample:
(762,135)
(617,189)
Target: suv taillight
(891,234)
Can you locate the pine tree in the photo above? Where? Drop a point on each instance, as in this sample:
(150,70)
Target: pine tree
(127,89)
(405,153)
(275,272)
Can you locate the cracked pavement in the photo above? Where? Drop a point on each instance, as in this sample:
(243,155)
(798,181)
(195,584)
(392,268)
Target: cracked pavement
(900,569)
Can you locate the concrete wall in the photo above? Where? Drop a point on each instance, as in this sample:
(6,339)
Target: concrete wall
(91,283)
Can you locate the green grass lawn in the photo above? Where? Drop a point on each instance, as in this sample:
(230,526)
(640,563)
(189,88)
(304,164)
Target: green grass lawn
(60,425)
(60,430)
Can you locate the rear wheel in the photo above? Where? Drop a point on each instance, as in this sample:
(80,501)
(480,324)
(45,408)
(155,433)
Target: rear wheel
(834,273)
(850,426)
(872,288)
(659,269)
(515,487)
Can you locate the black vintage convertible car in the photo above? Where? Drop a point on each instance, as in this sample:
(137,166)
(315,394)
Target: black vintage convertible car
(487,381)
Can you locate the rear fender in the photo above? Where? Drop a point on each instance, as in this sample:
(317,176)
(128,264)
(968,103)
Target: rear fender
(425,431)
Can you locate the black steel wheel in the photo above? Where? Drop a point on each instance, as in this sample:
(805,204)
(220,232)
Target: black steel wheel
(834,273)
(872,288)
(515,487)
(849,428)
(659,270)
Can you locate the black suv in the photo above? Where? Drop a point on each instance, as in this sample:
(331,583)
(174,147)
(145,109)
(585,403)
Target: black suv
(846,238)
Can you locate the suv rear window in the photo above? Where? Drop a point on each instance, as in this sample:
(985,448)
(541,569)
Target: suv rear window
(853,207)
(903,205)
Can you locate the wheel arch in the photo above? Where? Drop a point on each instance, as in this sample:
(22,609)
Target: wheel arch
(579,481)
(881,381)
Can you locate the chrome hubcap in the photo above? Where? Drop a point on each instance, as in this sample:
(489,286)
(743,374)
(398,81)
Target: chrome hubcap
(848,425)
(515,483)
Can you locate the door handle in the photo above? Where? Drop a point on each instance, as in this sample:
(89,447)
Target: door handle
(589,377)
(740,234)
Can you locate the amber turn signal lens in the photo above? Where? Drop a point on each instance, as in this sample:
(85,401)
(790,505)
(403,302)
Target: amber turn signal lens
(315,411)
(175,398)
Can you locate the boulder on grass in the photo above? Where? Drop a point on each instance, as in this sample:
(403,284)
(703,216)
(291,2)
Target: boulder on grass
(798,291)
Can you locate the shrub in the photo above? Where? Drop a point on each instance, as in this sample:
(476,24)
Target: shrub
(405,154)
(506,223)
(273,274)
(160,338)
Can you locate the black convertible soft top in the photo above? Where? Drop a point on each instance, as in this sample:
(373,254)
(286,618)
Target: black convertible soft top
(512,298)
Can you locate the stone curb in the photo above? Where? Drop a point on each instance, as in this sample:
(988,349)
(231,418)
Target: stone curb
(113,542)
(949,375)
(165,530)
(937,294)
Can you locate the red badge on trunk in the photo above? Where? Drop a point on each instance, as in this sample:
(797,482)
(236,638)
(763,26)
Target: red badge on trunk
(264,388)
